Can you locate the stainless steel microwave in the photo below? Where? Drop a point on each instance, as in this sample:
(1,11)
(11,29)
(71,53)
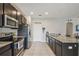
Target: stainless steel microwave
(10,22)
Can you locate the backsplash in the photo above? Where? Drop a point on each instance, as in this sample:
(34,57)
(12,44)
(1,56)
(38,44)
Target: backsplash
(8,30)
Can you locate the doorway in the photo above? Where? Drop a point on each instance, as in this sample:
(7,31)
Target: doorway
(38,32)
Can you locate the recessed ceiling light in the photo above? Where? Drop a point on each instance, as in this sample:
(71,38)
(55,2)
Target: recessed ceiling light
(14,12)
(46,13)
(18,13)
(31,13)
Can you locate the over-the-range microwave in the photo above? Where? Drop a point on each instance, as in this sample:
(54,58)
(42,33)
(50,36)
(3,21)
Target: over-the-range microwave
(8,21)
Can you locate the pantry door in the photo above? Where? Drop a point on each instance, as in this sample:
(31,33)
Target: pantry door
(37,32)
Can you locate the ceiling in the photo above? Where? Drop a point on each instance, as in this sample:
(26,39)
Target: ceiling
(55,10)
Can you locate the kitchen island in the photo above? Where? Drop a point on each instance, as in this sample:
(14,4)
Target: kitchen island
(62,45)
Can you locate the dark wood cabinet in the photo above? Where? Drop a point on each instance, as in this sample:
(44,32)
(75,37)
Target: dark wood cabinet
(67,49)
(63,49)
(51,43)
(54,45)
(75,49)
(1,8)
(58,48)
(1,13)
(70,49)
(23,20)
(6,50)
(7,53)
(19,18)
(48,41)
(10,10)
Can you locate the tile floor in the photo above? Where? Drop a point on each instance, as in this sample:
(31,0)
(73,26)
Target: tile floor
(39,49)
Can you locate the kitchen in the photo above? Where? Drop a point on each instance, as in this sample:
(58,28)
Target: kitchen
(18,30)
(14,34)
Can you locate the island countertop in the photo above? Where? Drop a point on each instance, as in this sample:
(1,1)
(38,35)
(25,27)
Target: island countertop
(65,39)
(4,43)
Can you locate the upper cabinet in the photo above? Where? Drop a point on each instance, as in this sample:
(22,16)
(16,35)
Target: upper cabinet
(1,8)
(10,10)
(1,12)
(24,21)
(11,18)
(8,16)
(19,18)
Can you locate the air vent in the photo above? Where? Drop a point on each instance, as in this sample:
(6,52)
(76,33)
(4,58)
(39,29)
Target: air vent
(39,15)
(37,22)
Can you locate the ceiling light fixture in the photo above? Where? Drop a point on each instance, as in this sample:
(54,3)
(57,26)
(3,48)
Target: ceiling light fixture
(31,13)
(46,13)
(18,13)
(14,12)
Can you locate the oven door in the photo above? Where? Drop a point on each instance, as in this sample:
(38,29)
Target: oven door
(21,44)
(10,22)
(15,49)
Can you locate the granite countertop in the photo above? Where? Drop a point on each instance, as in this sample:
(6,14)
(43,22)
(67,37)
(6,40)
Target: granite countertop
(4,43)
(18,36)
(65,39)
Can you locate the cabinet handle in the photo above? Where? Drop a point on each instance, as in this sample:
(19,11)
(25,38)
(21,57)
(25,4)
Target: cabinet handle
(69,47)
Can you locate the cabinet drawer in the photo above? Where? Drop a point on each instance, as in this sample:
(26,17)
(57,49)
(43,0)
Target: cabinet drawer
(58,50)
(67,49)
(3,49)
(75,49)
(7,53)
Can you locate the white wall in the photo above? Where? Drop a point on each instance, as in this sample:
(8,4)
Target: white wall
(53,26)
(56,25)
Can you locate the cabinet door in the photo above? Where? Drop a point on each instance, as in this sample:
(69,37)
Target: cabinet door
(54,45)
(19,18)
(58,48)
(1,12)
(51,43)
(75,49)
(7,53)
(10,10)
(6,50)
(67,49)
(23,20)
(48,40)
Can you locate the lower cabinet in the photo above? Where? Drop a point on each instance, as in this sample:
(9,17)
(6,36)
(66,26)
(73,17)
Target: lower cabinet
(70,49)
(67,49)
(58,48)
(51,44)
(63,49)
(54,45)
(6,51)
(75,49)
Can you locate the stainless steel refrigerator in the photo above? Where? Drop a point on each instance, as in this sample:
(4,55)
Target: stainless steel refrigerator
(24,30)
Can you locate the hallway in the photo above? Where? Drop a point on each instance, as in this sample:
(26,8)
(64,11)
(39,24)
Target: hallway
(39,49)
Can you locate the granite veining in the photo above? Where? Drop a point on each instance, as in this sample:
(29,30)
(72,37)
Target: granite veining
(2,43)
(65,39)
